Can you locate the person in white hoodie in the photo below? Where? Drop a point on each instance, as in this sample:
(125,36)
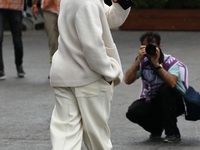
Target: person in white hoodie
(84,70)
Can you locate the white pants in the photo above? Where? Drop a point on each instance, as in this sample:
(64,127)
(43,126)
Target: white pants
(82,112)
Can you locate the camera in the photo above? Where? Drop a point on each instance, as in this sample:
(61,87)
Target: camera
(151,49)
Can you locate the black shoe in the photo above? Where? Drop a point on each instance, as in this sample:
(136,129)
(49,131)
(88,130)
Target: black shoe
(20,71)
(155,136)
(172,138)
(2,75)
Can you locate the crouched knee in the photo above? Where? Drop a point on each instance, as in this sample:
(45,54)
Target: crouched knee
(132,116)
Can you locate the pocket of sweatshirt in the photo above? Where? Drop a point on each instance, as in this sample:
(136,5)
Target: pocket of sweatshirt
(89,90)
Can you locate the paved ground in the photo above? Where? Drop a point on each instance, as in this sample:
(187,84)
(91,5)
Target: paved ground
(26,103)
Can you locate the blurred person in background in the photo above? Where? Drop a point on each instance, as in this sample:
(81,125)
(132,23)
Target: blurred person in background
(12,11)
(50,13)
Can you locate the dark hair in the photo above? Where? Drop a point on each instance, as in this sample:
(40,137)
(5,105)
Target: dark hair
(150,36)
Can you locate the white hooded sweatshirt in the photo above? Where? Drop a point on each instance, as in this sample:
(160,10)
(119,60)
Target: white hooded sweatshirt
(86,50)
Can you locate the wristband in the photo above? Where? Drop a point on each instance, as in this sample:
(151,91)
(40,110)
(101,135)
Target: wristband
(34,6)
(160,66)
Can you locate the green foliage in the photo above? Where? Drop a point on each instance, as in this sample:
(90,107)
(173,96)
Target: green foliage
(166,4)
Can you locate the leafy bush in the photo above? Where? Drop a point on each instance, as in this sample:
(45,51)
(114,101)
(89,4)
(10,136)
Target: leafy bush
(167,4)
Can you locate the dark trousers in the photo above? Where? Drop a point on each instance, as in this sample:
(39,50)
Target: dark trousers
(15,21)
(160,114)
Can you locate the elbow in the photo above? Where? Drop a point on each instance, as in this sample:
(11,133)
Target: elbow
(124,16)
(173,84)
(127,81)
(116,22)
(120,22)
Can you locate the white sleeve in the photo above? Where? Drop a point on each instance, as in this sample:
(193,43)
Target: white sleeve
(115,14)
(89,30)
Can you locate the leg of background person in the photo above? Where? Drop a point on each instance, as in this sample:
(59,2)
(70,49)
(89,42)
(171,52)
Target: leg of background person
(147,115)
(15,21)
(94,102)
(66,124)
(172,106)
(2,21)
(51,27)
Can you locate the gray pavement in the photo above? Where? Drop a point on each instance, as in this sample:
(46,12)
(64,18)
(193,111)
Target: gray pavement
(26,103)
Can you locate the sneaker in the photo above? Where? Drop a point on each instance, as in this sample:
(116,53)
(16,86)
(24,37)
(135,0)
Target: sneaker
(172,138)
(2,75)
(20,71)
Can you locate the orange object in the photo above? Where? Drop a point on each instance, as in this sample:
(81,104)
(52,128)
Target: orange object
(12,4)
(34,6)
(51,5)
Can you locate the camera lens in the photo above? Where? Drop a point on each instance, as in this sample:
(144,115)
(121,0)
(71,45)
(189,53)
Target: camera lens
(151,49)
